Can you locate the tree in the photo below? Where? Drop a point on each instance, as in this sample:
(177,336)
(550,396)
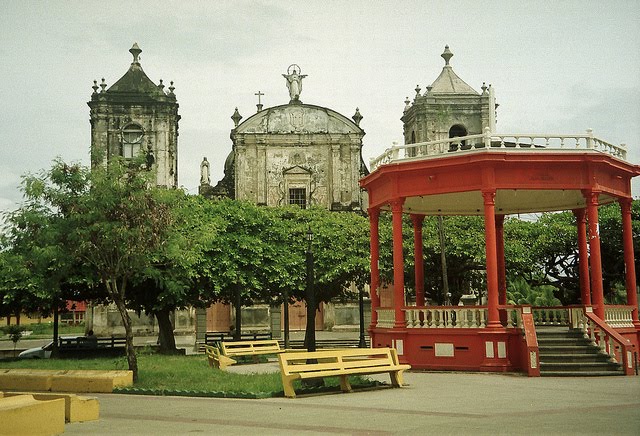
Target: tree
(109,220)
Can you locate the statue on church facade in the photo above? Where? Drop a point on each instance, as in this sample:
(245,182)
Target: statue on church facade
(294,81)
(204,172)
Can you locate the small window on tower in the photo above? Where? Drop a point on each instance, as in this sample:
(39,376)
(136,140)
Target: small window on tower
(131,140)
(298,196)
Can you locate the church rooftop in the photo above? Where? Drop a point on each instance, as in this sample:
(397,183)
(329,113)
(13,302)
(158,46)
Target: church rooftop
(448,82)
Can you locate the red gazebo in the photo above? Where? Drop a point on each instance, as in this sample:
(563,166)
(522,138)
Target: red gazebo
(494,175)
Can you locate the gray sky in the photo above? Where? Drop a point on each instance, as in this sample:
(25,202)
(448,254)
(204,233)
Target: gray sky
(556,66)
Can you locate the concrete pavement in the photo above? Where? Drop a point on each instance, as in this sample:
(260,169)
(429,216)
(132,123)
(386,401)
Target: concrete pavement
(432,403)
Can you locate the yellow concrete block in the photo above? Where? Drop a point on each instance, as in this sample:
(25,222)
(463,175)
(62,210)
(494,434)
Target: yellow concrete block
(90,380)
(24,381)
(22,414)
(77,408)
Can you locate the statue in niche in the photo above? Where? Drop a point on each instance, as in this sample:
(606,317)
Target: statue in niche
(294,81)
(204,172)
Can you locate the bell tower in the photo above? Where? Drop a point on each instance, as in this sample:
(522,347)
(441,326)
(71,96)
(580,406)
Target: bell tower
(448,108)
(136,117)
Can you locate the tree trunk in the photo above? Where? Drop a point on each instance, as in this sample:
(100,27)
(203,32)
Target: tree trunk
(237,334)
(166,339)
(54,351)
(118,299)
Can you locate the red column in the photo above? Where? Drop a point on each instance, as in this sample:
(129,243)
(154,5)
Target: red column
(374,240)
(583,256)
(502,273)
(595,261)
(417,256)
(493,316)
(629,266)
(398,263)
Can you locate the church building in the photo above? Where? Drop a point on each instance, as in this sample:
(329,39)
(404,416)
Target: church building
(295,153)
(448,108)
(134,116)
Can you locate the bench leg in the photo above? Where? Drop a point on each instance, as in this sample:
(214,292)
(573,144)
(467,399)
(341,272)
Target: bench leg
(224,361)
(288,388)
(396,378)
(344,384)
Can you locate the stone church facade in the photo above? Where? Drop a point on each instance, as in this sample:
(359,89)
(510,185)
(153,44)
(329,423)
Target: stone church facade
(294,154)
(135,116)
(448,108)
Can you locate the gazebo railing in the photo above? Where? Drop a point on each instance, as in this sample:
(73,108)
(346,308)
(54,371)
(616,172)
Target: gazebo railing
(551,316)
(618,316)
(446,317)
(386,318)
(610,342)
(490,140)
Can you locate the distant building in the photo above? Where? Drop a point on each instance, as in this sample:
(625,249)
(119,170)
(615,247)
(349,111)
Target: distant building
(294,153)
(448,108)
(131,117)
(135,116)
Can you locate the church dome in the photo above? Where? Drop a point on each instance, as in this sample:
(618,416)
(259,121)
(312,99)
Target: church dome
(297,118)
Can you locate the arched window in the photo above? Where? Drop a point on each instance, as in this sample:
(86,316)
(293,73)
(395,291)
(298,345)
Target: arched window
(455,131)
(132,135)
(411,152)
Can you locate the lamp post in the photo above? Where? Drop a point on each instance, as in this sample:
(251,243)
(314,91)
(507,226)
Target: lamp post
(310,334)
(363,342)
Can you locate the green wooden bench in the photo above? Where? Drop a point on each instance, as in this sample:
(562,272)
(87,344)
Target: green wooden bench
(339,363)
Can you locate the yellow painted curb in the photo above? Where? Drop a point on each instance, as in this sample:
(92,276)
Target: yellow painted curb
(22,414)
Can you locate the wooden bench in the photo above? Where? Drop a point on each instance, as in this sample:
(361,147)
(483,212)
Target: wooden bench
(216,359)
(250,348)
(339,363)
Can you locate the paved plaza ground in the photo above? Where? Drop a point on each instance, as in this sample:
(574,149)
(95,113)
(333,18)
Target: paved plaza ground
(432,403)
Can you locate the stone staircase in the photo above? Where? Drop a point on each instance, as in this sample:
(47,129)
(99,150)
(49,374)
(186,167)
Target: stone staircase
(566,352)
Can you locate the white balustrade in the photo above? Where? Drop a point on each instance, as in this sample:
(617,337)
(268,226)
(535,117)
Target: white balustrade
(386,318)
(511,141)
(618,316)
(551,316)
(446,317)
(599,337)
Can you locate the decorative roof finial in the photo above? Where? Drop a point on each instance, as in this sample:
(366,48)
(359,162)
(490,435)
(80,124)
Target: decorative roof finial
(171,88)
(407,104)
(135,51)
(418,89)
(103,85)
(357,117)
(446,55)
(161,85)
(484,87)
(236,117)
(95,87)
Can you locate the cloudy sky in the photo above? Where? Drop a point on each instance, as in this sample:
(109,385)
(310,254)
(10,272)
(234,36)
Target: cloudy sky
(556,66)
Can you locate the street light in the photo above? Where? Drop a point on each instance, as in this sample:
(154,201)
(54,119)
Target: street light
(310,297)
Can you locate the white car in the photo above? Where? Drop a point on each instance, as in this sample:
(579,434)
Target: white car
(44,352)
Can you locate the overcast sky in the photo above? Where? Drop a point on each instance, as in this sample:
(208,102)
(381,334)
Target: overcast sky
(556,66)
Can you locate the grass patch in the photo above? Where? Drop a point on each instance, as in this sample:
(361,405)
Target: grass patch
(185,375)
(45,330)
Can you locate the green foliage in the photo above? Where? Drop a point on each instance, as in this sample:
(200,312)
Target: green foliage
(14,332)
(519,291)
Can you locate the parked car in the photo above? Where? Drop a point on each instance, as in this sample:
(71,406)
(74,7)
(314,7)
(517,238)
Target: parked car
(43,352)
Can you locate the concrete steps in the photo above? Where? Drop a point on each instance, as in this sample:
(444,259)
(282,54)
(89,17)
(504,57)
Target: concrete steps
(567,353)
